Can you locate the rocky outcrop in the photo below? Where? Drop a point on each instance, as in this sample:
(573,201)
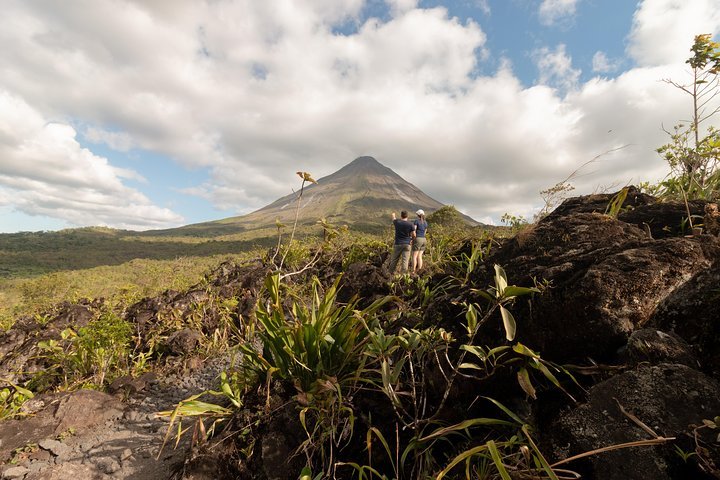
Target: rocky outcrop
(666,400)
(635,292)
(603,278)
(692,311)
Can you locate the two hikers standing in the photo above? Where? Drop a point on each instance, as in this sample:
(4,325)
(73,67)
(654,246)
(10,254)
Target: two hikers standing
(409,238)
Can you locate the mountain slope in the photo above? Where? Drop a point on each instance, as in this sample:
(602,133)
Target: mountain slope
(363,194)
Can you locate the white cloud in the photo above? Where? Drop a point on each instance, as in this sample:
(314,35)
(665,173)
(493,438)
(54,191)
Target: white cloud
(550,11)
(602,64)
(555,68)
(45,172)
(483,5)
(118,141)
(663,30)
(398,7)
(255,91)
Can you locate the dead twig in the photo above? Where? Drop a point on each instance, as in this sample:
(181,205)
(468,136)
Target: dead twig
(619,446)
(636,420)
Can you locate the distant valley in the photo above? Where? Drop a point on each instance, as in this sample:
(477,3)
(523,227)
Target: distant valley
(361,195)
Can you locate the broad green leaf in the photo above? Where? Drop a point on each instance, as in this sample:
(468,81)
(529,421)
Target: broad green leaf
(507,411)
(485,295)
(23,391)
(500,280)
(475,350)
(306,474)
(471,317)
(494,351)
(523,350)
(387,385)
(508,323)
(513,291)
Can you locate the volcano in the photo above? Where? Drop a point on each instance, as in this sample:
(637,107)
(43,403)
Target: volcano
(362,194)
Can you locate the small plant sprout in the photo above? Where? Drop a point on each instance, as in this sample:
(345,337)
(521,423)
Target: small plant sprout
(502,294)
(616,203)
(306,178)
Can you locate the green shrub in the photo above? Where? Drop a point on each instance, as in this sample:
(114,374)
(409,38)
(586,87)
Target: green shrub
(366,251)
(88,356)
(308,344)
(12,398)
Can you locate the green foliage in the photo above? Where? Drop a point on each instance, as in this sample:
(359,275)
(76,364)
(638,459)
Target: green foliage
(516,223)
(89,356)
(319,347)
(616,202)
(364,251)
(29,254)
(693,154)
(12,397)
(296,254)
(447,238)
(192,407)
(502,294)
(517,457)
(311,343)
(446,216)
(397,366)
(120,285)
(701,181)
(522,359)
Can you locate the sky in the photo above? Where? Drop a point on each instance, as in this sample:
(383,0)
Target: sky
(148,114)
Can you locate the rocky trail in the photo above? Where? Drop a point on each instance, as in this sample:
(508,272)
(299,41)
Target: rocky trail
(93,435)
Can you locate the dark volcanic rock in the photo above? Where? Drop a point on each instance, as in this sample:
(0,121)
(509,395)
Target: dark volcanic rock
(368,282)
(605,279)
(598,203)
(655,346)
(670,399)
(183,342)
(662,219)
(692,311)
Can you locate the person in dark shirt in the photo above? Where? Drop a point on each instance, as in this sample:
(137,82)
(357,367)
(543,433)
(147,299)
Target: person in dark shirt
(404,234)
(420,242)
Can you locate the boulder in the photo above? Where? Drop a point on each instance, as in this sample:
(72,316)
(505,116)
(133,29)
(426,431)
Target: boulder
(692,311)
(603,279)
(655,346)
(671,399)
(368,282)
(183,342)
